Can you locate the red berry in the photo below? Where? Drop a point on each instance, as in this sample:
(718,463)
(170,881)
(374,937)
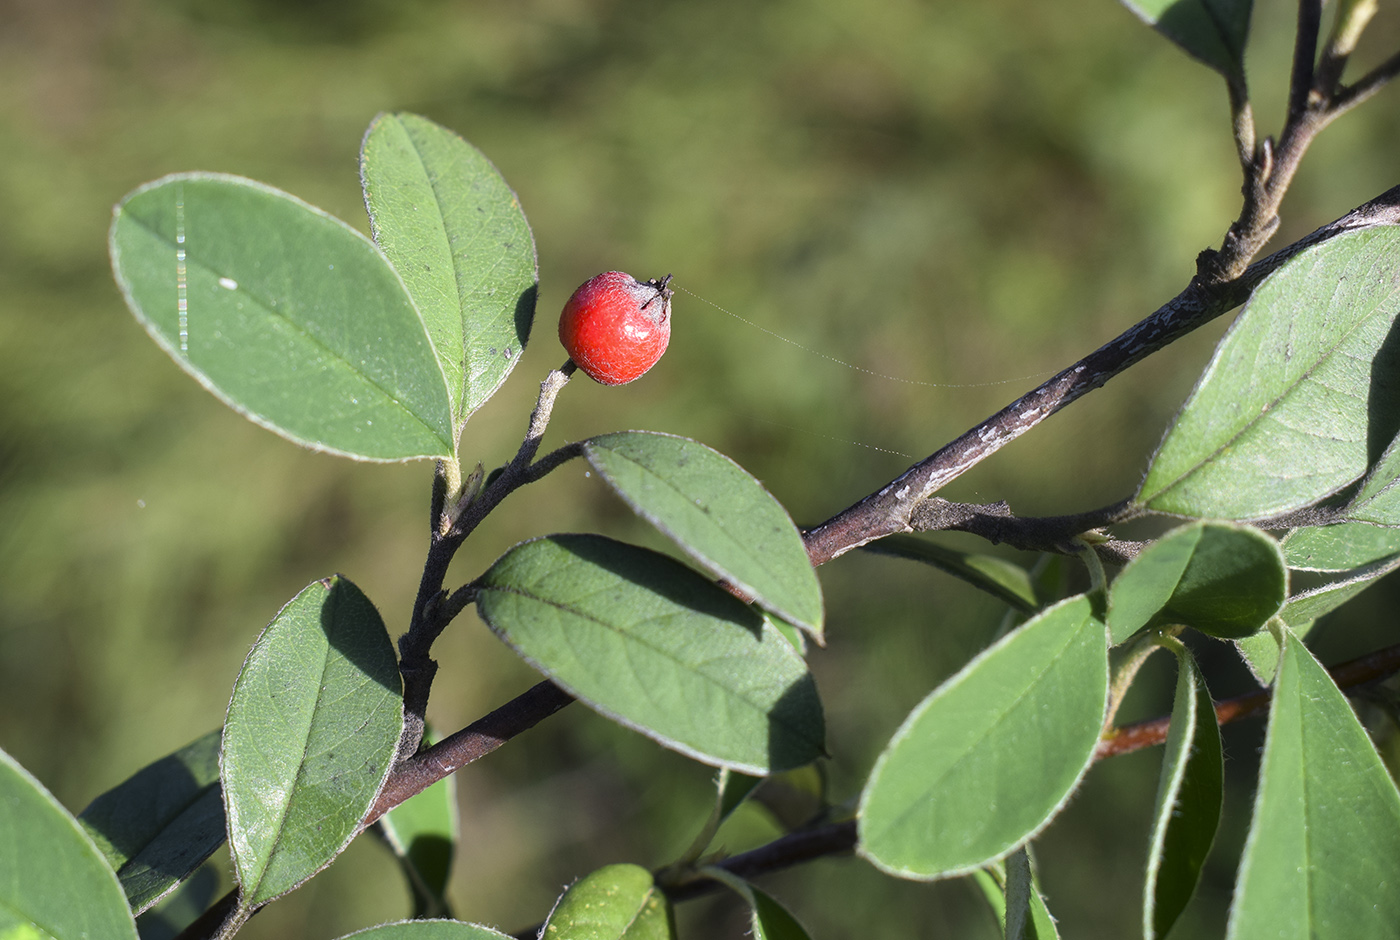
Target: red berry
(615,327)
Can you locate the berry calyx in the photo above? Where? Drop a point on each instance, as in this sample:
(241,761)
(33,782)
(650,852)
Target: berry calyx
(615,327)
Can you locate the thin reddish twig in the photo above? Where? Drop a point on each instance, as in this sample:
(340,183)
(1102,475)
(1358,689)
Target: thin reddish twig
(1348,675)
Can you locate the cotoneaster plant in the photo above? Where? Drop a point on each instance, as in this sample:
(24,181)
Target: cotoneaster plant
(615,328)
(1285,459)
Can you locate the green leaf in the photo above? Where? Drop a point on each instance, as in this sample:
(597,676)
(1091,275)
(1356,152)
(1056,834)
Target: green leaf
(455,232)
(1002,579)
(618,902)
(1317,601)
(54,883)
(1026,917)
(1378,500)
(1189,796)
(650,643)
(1297,402)
(291,317)
(422,832)
(1019,889)
(159,826)
(1260,652)
(1212,31)
(1321,859)
(1339,547)
(310,737)
(992,755)
(1313,603)
(794,635)
(1041,919)
(717,513)
(1223,579)
(994,890)
(428,930)
(772,921)
(179,909)
(769,919)
(734,789)
(992,880)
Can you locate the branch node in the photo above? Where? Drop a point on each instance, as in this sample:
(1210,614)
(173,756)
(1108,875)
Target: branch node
(1264,162)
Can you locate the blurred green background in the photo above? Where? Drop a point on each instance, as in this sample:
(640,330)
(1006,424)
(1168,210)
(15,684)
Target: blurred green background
(955,193)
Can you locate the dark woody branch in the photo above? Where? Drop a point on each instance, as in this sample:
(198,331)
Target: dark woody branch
(995,523)
(455,516)
(1224,277)
(892,508)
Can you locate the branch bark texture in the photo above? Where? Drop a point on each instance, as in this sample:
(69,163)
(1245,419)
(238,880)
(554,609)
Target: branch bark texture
(889,510)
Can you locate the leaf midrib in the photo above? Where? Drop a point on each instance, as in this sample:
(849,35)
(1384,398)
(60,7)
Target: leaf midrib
(286,807)
(762,711)
(1273,402)
(996,722)
(459,282)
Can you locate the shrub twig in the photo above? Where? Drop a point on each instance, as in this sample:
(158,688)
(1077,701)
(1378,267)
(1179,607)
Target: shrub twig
(890,509)
(456,516)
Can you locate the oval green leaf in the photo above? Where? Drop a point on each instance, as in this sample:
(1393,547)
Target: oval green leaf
(1260,651)
(428,930)
(1298,401)
(618,902)
(652,644)
(454,230)
(1016,876)
(1223,579)
(1026,915)
(158,827)
(1320,861)
(288,315)
(1190,793)
(310,737)
(1339,547)
(992,755)
(1326,598)
(1308,605)
(54,883)
(734,789)
(772,921)
(1378,500)
(793,635)
(719,514)
(422,833)
(1212,31)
